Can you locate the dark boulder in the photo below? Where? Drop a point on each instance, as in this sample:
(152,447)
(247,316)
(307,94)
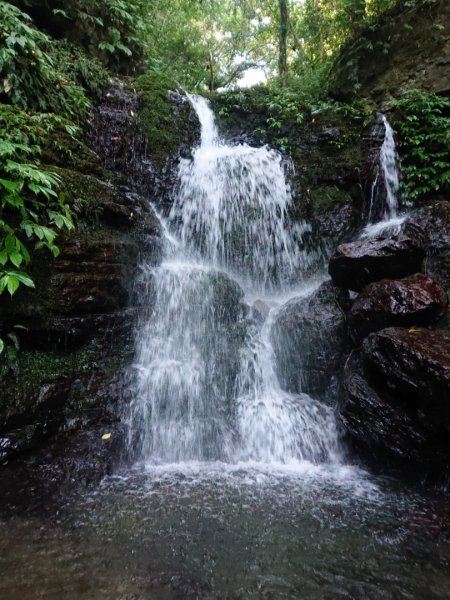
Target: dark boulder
(431,226)
(386,431)
(397,400)
(416,300)
(414,366)
(356,264)
(310,341)
(41,482)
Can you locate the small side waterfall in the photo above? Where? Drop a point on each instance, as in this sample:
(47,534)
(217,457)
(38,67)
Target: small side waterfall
(384,197)
(389,171)
(206,385)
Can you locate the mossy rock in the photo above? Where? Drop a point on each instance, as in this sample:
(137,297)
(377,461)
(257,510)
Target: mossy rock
(64,150)
(163,128)
(329,197)
(23,385)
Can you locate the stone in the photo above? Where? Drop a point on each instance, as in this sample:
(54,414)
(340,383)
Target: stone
(383,60)
(431,226)
(397,401)
(356,264)
(416,300)
(413,365)
(310,342)
(260,311)
(387,431)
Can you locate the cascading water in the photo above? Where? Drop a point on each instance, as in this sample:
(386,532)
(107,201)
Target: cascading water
(383,212)
(206,386)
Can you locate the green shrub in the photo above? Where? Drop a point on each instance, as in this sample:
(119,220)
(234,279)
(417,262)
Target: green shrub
(29,77)
(31,210)
(422,122)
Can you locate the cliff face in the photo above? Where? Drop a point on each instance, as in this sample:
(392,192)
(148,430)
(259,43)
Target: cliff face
(65,388)
(408,48)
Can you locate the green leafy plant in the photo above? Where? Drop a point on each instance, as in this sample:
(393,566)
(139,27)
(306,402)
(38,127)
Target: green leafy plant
(31,210)
(423,130)
(39,74)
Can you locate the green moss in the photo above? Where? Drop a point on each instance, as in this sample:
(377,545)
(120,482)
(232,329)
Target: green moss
(62,149)
(328,197)
(161,129)
(22,381)
(86,194)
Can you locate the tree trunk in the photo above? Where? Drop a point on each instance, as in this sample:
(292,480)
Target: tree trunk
(212,83)
(282,47)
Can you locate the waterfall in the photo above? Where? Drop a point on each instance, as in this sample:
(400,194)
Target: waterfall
(206,385)
(389,171)
(383,211)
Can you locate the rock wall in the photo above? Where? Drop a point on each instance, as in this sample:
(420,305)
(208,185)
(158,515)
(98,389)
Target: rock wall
(332,155)
(64,391)
(408,48)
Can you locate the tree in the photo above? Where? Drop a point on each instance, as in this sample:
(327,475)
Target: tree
(282,42)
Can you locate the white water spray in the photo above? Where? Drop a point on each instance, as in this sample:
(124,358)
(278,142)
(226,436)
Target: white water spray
(206,387)
(383,214)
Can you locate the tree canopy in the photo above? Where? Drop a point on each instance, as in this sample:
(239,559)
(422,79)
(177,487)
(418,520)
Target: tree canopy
(208,44)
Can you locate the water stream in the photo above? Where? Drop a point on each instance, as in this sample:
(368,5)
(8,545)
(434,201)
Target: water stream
(206,386)
(241,490)
(384,199)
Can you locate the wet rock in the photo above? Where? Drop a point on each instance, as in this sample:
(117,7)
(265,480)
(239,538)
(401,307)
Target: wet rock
(41,482)
(382,60)
(431,226)
(260,311)
(414,367)
(356,264)
(49,394)
(417,300)
(310,341)
(387,430)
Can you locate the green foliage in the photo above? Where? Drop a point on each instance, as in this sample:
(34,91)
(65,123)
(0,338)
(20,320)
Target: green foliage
(31,211)
(112,30)
(82,70)
(29,75)
(423,127)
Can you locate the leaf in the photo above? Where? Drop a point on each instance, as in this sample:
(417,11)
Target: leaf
(2,345)
(11,186)
(12,284)
(16,258)
(14,339)
(106,436)
(414,330)
(25,279)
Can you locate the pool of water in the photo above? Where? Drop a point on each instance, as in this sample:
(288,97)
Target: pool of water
(215,531)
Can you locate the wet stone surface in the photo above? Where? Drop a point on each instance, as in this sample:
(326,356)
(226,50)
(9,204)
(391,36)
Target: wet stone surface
(417,300)
(356,264)
(397,401)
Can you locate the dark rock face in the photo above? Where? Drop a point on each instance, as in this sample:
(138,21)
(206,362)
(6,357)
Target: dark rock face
(383,60)
(417,300)
(398,397)
(357,264)
(431,226)
(311,342)
(386,430)
(59,468)
(415,367)
(70,377)
(140,132)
